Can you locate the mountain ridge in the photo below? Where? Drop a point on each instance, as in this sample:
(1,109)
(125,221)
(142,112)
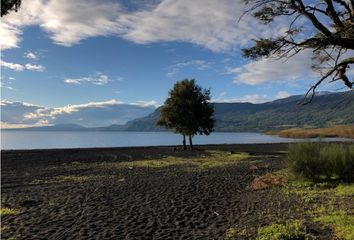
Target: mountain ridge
(325,110)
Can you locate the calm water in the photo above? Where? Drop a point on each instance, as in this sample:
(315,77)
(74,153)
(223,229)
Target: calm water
(79,139)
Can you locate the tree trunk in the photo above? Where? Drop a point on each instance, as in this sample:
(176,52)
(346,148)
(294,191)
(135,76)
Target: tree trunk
(184,142)
(190,142)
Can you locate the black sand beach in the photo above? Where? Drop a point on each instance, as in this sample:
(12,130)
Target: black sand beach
(84,194)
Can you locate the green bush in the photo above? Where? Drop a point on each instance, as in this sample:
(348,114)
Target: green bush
(316,160)
(292,230)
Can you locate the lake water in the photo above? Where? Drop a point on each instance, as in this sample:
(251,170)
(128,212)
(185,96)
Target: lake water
(79,139)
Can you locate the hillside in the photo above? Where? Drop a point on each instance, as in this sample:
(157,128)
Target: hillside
(325,110)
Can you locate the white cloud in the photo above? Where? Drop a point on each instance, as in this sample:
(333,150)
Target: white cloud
(147,103)
(252,98)
(67,22)
(270,70)
(31,55)
(282,94)
(208,23)
(10,35)
(230,70)
(91,114)
(97,79)
(34,67)
(14,66)
(197,64)
(19,67)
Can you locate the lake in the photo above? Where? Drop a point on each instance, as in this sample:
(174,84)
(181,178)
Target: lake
(16,139)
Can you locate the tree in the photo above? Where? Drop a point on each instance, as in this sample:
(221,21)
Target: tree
(188,111)
(328,30)
(9,5)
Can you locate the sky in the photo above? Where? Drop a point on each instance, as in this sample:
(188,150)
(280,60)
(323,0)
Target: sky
(97,62)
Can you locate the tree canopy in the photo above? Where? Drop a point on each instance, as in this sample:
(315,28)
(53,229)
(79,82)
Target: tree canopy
(324,26)
(188,110)
(9,5)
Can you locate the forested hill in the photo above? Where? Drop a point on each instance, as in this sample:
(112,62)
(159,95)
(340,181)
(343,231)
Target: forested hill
(325,110)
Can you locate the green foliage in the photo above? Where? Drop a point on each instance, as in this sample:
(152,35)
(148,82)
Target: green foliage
(263,47)
(188,110)
(342,223)
(345,190)
(327,203)
(292,230)
(319,160)
(235,233)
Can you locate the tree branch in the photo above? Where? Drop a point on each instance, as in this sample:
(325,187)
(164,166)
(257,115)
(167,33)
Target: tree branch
(333,14)
(301,8)
(341,68)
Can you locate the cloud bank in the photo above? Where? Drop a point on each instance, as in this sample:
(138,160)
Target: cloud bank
(93,114)
(212,24)
(209,23)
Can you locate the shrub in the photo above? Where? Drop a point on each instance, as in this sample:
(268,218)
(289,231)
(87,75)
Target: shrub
(320,160)
(292,230)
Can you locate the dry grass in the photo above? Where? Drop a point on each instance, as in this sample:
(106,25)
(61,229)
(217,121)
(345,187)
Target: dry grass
(269,179)
(344,131)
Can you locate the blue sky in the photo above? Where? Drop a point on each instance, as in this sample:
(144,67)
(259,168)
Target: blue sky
(73,54)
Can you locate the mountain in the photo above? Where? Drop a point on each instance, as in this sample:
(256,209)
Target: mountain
(326,109)
(113,127)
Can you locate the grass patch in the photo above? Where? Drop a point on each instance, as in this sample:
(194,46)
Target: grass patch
(345,190)
(328,204)
(9,211)
(291,230)
(345,131)
(234,233)
(211,159)
(342,223)
(321,161)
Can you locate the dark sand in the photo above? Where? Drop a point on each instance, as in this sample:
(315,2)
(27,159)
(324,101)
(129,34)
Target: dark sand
(138,203)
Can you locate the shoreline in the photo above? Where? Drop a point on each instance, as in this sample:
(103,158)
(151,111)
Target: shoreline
(196,146)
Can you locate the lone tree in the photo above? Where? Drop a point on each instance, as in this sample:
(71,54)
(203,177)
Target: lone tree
(326,27)
(188,111)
